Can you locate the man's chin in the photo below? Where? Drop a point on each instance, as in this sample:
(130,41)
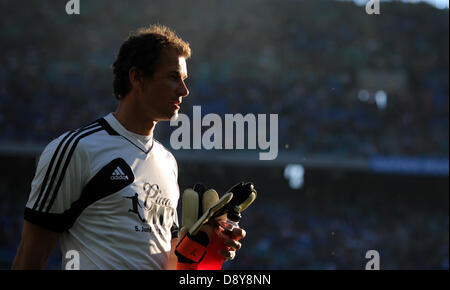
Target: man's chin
(168,116)
(174,116)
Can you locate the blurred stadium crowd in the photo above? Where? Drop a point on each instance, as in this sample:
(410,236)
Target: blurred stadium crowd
(330,235)
(318,64)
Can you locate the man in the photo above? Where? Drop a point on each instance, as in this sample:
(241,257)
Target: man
(109,190)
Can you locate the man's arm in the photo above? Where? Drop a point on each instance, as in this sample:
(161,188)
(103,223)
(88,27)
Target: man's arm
(172,262)
(35,247)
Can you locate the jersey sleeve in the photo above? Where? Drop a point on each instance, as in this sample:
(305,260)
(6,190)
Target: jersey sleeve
(59,179)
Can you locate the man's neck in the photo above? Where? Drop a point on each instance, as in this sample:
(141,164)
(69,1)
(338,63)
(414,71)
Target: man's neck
(132,122)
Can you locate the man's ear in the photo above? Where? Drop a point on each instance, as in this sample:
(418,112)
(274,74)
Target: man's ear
(135,76)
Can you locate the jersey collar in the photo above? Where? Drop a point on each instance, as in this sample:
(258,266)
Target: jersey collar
(145,143)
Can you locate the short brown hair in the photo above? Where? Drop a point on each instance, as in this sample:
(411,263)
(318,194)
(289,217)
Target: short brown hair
(142,49)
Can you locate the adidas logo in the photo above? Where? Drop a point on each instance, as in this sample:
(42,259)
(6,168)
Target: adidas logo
(193,253)
(118,174)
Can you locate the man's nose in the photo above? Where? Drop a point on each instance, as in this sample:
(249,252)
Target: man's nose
(183,90)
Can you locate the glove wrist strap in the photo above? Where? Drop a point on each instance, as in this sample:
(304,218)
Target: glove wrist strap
(192,249)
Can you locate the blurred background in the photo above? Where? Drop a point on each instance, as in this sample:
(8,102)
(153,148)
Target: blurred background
(362,101)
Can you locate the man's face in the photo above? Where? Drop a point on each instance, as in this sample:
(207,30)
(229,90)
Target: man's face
(160,95)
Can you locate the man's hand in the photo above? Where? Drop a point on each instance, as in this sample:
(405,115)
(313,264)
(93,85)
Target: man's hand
(203,244)
(231,242)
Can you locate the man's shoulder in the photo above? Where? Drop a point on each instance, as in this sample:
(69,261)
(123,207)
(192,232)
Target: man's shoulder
(73,140)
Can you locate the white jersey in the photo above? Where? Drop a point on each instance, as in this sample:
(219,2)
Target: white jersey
(111,193)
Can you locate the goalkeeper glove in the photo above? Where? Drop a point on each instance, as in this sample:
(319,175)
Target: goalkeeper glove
(195,250)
